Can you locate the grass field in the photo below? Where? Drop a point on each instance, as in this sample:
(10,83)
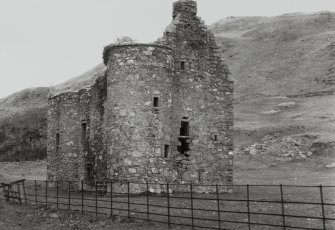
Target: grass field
(303,208)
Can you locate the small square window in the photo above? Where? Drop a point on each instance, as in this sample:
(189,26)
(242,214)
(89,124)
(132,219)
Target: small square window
(214,137)
(182,65)
(184,128)
(166,151)
(156,102)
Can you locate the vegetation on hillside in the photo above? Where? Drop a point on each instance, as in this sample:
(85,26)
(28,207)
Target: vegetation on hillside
(23,135)
(23,125)
(283,55)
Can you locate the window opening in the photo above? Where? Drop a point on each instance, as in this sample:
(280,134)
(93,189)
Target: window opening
(57,142)
(184,145)
(83,132)
(215,137)
(182,65)
(184,128)
(156,102)
(166,151)
(184,137)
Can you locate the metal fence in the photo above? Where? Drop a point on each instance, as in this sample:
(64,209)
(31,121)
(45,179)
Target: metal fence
(248,207)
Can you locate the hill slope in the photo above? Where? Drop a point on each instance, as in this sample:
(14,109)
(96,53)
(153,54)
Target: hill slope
(279,137)
(282,55)
(23,125)
(84,80)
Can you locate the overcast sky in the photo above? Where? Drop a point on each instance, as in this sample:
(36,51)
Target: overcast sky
(46,42)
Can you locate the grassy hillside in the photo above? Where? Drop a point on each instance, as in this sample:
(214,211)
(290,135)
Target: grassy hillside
(277,137)
(271,58)
(283,55)
(23,125)
(23,100)
(84,80)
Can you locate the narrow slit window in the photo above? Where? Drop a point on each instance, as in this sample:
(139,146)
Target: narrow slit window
(166,151)
(83,132)
(57,142)
(184,129)
(215,137)
(156,102)
(182,65)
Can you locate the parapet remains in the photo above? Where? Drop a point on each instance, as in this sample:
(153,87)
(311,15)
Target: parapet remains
(160,113)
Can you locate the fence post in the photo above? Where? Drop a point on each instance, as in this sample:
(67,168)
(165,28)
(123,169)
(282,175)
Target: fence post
(24,193)
(323,208)
(19,193)
(282,206)
(96,198)
(218,203)
(57,188)
(82,196)
(192,214)
(148,202)
(46,193)
(248,206)
(35,192)
(111,214)
(128,200)
(168,203)
(69,183)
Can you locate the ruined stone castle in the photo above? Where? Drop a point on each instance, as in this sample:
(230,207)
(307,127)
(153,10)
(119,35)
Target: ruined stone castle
(161,112)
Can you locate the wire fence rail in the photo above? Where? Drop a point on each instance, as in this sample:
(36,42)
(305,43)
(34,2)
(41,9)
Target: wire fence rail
(248,207)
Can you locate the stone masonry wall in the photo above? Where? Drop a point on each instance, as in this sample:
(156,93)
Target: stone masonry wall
(162,113)
(64,159)
(203,95)
(68,114)
(137,131)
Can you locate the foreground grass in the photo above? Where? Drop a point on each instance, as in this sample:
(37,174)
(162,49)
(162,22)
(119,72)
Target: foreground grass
(16,217)
(264,207)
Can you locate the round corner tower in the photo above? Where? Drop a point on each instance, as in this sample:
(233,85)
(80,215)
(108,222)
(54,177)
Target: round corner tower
(138,111)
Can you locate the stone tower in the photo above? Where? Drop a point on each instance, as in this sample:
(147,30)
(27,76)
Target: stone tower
(202,99)
(139,111)
(161,112)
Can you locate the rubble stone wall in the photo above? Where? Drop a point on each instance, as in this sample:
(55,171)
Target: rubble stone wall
(68,114)
(203,95)
(137,131)
(65,161)
(162,113)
